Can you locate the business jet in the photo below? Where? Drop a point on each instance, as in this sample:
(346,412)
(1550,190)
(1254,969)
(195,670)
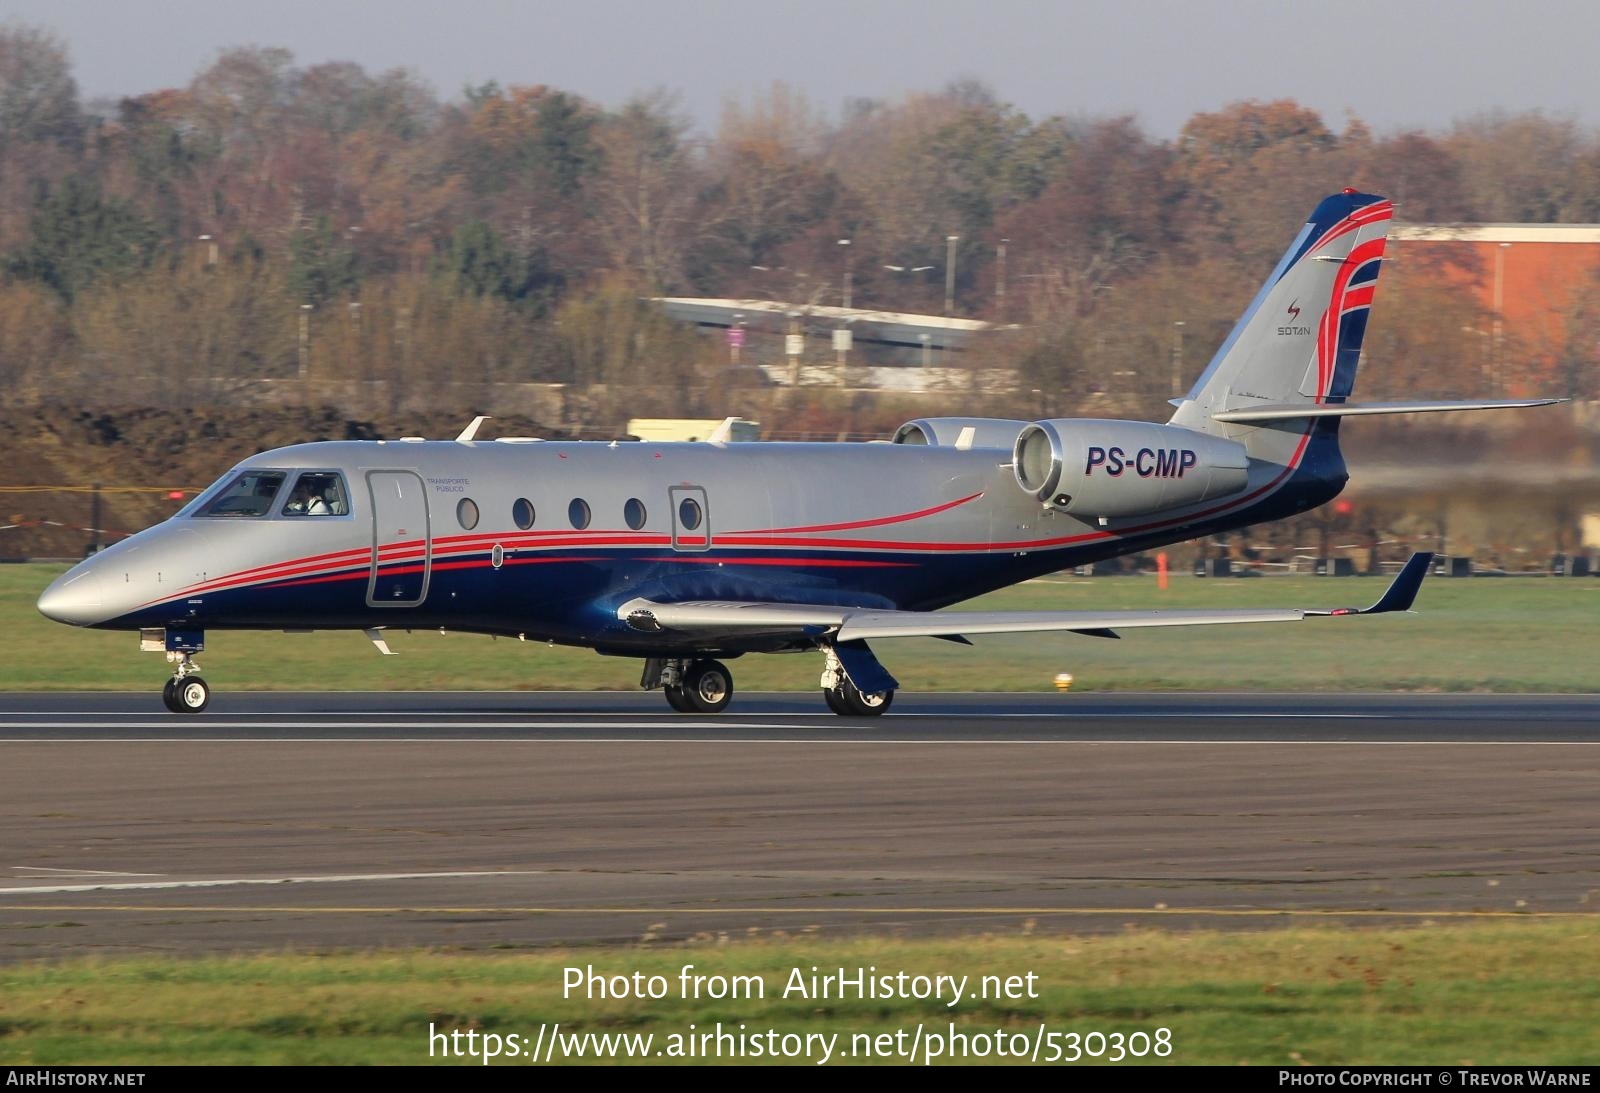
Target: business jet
(687,555)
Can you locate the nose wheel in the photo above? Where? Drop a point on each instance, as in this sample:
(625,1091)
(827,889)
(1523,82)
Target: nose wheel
(185,692)
(188,694)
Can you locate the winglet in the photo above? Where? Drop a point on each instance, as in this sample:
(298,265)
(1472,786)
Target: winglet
(1400,594)
(1402,591)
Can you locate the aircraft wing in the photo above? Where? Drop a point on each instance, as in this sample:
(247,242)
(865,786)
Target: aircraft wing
(847,624)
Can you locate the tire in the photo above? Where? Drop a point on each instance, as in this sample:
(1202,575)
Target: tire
(678,699)
(859,704)
(708,686)
(835,701)
(190,695)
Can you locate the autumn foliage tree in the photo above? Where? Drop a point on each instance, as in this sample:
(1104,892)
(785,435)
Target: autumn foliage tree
(269,222)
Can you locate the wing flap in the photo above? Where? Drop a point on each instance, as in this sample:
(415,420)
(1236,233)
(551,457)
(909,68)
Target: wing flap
(934,624)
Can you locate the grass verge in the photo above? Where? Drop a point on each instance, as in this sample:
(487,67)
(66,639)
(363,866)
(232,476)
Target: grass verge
(1524,634)
(1517,992)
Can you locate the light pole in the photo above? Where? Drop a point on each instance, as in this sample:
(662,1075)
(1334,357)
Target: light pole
(1499,303)
(1000,281)
(305,339)
(1177,357)
(848,271)
(950,242)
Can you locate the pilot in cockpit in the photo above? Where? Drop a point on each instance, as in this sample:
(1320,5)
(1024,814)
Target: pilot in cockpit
(306,501)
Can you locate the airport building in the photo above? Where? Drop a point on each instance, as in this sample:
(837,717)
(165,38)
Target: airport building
(1538,285)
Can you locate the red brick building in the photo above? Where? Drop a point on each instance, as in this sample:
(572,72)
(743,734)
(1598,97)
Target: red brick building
(1533,282)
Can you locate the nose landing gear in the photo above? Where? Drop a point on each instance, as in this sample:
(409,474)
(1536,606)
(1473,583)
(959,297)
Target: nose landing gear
(186,692)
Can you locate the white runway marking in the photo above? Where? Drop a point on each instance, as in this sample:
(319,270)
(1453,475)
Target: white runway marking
(26,869)
(553,721)
(237,881)
(1092,742)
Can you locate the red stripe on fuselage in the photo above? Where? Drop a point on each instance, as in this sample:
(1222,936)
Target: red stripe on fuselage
(873,523)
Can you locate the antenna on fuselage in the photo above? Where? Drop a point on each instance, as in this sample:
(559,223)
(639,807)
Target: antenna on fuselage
(471,431)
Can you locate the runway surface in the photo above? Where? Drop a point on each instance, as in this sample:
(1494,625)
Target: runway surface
(509,819)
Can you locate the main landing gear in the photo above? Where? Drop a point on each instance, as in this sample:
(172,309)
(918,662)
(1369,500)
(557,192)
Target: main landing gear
(706,686)
(847,700)
(699,686)
(186,692)
(844,697)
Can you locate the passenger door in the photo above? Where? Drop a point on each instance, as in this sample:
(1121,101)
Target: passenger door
(402,555)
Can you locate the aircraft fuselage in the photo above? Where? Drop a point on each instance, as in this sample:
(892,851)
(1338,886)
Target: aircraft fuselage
(866,525)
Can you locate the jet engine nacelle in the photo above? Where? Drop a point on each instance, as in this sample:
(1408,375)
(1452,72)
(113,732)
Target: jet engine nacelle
(947,432)
(1096,467)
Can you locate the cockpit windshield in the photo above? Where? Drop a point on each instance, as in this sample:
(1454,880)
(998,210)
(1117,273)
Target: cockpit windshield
(317,493)
(250,493)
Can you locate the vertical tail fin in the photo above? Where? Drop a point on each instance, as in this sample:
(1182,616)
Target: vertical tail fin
(1300,338)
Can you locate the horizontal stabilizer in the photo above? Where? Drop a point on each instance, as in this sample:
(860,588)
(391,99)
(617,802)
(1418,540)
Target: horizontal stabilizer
(1291,411)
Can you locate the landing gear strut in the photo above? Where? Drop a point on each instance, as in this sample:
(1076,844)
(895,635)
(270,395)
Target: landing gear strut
(700,686)
(186,692)
(844,697)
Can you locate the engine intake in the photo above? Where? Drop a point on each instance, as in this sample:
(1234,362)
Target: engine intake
(1099,467)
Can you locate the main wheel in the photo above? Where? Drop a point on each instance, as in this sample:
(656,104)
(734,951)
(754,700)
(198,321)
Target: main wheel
(835,701)
(858,703)
(708,686)
(189,695)
(677,699)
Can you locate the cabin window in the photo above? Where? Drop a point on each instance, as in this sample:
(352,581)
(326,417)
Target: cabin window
(317,493)
(467,513)
(522,513)
(689,514)
(249,494)
(633,512)
(578,513)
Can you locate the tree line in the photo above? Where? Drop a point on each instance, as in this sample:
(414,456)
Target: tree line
(276,222)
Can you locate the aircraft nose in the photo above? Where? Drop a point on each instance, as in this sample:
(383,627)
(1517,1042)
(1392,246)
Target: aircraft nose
(74,598)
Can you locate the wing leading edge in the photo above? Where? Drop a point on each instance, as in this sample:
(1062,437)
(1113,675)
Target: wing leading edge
(708,619)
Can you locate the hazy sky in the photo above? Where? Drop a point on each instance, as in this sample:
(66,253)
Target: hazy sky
(1394,64)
